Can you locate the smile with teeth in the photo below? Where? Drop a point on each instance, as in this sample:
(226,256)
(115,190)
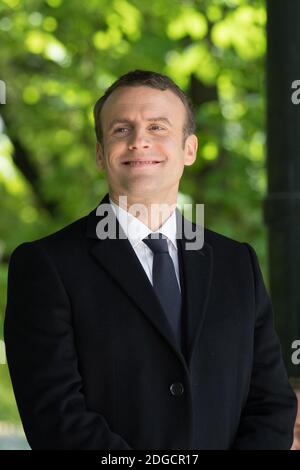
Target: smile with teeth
(141,163)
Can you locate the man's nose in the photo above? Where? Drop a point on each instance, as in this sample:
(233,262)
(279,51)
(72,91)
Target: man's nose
(138,140)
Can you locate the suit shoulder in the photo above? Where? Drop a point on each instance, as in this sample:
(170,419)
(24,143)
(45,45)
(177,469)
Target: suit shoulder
(71,234)
(215,238)
(238,257)
(217,241)
(228,249)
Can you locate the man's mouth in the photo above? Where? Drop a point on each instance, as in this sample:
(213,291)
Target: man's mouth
(141,163)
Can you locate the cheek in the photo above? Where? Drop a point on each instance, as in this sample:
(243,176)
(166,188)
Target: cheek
(171,143)
(171,149)
(113,150)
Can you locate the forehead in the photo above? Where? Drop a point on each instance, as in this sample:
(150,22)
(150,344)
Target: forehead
(143,102)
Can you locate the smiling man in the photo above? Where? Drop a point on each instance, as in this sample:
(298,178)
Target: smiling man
(127,339)
(145,138)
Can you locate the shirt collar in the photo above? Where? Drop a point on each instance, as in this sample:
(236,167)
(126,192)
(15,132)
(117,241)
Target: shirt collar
(135,230)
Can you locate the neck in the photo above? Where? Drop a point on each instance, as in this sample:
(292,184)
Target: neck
(152,213)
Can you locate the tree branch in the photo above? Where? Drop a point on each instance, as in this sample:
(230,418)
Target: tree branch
(29,171)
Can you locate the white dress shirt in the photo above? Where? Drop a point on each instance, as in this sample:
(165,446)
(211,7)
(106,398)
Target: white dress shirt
(135,231)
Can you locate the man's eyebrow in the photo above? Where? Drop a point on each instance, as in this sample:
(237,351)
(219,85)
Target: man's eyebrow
(129,121)
(160,118)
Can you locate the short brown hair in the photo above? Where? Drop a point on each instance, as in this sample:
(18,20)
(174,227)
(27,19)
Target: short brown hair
(152,80)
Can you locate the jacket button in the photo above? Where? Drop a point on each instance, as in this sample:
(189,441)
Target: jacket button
(177,389)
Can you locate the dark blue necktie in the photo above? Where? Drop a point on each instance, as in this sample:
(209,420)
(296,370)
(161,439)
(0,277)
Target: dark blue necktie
(165,282)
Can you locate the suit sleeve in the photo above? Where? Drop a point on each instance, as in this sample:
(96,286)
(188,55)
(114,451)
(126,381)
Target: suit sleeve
(268,418)
(42,359)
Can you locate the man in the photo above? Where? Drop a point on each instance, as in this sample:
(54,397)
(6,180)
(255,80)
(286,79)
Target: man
(137,341)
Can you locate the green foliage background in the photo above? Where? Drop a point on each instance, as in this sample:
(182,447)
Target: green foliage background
(57,57)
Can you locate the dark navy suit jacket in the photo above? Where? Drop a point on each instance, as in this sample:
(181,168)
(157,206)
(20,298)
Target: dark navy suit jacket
(94,364)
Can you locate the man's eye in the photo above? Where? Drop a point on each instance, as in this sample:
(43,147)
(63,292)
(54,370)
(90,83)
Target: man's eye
(121,130)
(124,130)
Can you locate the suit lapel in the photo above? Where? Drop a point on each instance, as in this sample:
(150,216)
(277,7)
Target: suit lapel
(197,269)
(118,259)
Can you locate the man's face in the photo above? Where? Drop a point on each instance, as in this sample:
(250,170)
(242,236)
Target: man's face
(143,153)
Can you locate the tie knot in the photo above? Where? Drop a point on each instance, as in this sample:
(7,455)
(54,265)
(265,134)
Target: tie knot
(157,242)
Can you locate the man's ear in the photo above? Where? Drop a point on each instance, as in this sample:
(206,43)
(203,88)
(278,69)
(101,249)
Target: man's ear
(99,156)
(190,149)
